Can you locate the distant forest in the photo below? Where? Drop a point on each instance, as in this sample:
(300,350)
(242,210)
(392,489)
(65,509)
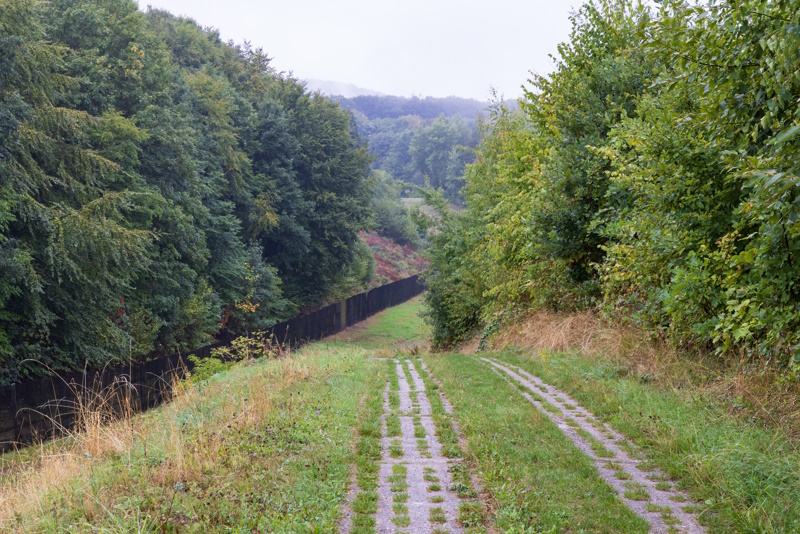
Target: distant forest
(415,138)
(394,107)
(158,185)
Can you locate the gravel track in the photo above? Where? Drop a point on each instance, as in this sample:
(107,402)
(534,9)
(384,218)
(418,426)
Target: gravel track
(655,499)
(420,464)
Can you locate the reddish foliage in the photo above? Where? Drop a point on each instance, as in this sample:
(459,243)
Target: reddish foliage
(394,262)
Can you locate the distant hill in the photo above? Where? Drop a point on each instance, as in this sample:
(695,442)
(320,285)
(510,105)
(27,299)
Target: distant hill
(345,90)
(393,107)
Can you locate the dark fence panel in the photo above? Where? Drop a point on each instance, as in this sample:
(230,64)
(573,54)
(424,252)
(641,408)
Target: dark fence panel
(44,408)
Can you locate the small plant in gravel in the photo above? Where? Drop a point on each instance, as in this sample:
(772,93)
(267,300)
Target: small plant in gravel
(414,401)
(595,444)
(404,363)
(394,380)
(396,448)
(398,486)
(652,507)
(462,483)
(434,486)
(401,520)
(419,431)
(400,497)
(646,466)
(636,491)
(632,451)
(363,524)
(550,408)
(623,475)
(394,400)
(393,425)
(436,515)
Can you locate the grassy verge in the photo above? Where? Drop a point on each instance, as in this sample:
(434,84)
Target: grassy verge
(745,476)
(397,327)
(368,457)
(537,480)
(262,447)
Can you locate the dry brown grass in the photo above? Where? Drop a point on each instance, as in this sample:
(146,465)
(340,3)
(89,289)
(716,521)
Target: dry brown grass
(61,471)
(746,389)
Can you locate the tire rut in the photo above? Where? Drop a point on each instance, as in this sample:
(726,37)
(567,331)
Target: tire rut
(646,491)
(414,466)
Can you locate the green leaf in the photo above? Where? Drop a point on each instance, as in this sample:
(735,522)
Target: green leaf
(786,135)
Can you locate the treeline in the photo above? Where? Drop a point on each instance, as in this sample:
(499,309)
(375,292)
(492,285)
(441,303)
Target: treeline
(394,107)
(653,175)
(158,185)
(416,139)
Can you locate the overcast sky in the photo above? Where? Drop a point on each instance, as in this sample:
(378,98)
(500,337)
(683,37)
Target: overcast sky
(398,47)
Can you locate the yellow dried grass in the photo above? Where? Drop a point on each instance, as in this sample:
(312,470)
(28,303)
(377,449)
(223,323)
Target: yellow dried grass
(35,475)
(744,388)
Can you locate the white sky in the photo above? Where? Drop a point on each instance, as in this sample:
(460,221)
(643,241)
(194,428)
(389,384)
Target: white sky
(397,47)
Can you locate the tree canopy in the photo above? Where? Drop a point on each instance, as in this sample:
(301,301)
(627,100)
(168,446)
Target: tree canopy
(158,185)
(653,176)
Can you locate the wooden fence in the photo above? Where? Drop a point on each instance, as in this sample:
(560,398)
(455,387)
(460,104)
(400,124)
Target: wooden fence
(44,408)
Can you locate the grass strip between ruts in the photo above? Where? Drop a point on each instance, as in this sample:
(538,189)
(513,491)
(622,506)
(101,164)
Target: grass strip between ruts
(536,478)
(745,478)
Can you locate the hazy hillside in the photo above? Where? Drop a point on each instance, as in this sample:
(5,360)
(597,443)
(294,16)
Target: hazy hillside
(343,89)
(393,107)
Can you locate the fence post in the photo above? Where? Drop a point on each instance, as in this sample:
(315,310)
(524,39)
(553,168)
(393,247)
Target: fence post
(16,409)
(343,314)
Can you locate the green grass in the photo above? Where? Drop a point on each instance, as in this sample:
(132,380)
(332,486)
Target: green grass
(400,497)
(401,520)
(247,452)
(366,503)
(396,448)
(744,476)
(636,492)
(271,446)
(393,425)
(436,515)
(537,479)
(400,326)
(368,454)
(267,446)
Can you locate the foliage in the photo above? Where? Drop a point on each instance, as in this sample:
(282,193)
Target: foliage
(434,152)
(393,262)
(392,219)
(158,185)
(654,174)
(455,288)
(411,142)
